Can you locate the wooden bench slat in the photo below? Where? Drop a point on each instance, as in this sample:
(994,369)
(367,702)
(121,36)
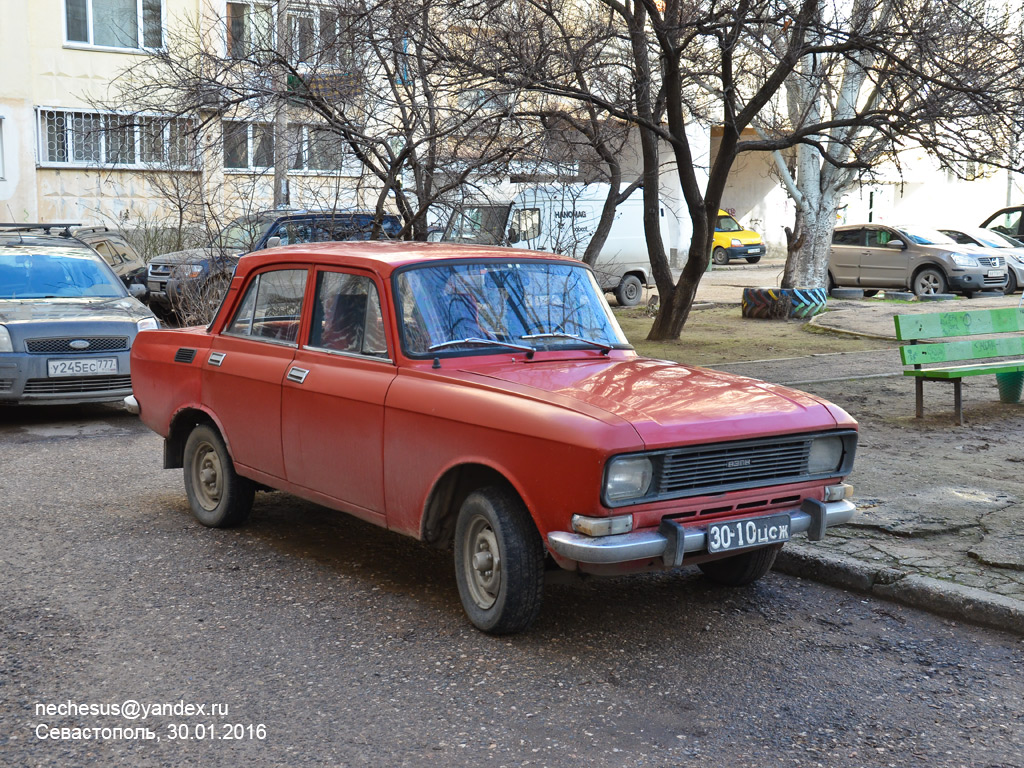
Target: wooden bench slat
(959,371)
(968,349)
(939,325)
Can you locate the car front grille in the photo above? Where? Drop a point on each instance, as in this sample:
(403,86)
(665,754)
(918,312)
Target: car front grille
(991,261)
(63,345)
(78,385)
(159,270)
(6,385)
(710,469)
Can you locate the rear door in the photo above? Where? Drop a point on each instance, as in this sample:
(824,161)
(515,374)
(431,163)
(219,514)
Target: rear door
(247,363)
(848,247)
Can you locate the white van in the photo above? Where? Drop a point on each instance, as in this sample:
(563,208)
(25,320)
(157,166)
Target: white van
(562,219)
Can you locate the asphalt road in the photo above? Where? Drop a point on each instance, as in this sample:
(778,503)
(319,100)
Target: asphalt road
(309,638)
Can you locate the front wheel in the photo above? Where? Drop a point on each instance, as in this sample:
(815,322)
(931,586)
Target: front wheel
(499,562)
(219,496)
(740,570)
(629,290)
(1011,283)
(719,256)
(753,259)
(929,281)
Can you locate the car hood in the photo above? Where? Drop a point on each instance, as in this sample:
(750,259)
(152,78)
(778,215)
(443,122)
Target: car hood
(745,236)
(15,312)
(195,256)
(671,404)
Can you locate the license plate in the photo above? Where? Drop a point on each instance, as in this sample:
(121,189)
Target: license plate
(155,286)
(753,532)
(756,249)
(996,273)
(88,366)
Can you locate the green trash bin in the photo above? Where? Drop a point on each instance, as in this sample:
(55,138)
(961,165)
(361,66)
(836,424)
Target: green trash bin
(1010,386)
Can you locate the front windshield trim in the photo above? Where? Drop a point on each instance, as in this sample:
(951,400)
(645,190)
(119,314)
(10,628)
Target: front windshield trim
(597,310)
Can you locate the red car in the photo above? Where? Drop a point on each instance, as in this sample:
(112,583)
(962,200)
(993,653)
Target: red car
(485,399)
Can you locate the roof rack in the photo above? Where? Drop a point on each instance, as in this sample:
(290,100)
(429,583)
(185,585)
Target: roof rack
(44,226)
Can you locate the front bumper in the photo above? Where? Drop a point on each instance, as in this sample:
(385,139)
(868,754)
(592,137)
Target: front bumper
(672,541)
(24,381)
(974,280)
(743,251)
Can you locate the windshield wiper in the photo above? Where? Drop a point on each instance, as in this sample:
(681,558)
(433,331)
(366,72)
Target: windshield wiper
(486,342)
(605,348)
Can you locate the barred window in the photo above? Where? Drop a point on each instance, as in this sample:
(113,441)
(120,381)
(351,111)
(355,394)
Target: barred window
(91,139)
(128,24)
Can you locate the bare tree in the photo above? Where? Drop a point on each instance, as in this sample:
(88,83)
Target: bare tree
(931,70)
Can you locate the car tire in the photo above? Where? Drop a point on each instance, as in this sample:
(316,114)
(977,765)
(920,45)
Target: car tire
(1011,283)
(629,291)
(740,570)
(929,280)
(499,562)
(753,259)
(720,256)
(219,496)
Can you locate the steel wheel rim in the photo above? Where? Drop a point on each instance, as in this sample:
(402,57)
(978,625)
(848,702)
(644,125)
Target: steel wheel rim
(482,562)
(207,475)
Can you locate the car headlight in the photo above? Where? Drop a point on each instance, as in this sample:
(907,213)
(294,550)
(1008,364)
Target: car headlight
(148,324)
(5,340)
(628,477)
(826,455)
(188,271)
(736,243)
(963,260)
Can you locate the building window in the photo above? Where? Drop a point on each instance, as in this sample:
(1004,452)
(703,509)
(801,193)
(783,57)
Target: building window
(248,146)
(250,28)
(129,24)
(96,139)
(312,148)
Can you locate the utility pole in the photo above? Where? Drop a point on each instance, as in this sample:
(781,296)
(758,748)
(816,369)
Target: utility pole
(281,197)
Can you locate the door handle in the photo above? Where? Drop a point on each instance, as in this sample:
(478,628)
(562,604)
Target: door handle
(298,375)
(216,358)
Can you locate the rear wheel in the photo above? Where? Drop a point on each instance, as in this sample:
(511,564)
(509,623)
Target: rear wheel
(499,562)
(740,570)
(719,256)
(928,281)
(629,290)
(219,497)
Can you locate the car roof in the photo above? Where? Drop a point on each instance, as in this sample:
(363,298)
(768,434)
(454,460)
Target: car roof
(385,256)
(32,243)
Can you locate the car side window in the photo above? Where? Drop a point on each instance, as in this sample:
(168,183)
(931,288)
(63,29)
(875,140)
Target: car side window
(848,237)
(295,232)
(108,255)
(347,315)
(272,307)
(879,238)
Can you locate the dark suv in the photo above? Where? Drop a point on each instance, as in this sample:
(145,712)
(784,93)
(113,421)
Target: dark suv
(190,284)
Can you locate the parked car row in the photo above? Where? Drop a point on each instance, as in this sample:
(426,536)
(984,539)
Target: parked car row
(965,260)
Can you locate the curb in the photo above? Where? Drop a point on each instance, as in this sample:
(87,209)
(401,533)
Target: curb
(944,598)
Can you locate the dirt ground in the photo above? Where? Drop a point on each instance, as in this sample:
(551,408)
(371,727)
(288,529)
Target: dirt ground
(944,498)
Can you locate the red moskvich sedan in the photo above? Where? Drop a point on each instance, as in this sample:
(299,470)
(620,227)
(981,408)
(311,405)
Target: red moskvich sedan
(485,399)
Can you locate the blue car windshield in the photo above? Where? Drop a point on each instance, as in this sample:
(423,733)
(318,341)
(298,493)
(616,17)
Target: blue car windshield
(481,306)
(925,236)
(56,275)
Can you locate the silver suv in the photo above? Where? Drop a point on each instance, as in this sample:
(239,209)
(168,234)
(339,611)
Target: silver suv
(872,256)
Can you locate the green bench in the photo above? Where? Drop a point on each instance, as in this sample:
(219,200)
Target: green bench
(1004,324)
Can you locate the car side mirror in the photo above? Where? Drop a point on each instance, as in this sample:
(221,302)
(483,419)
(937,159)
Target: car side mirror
(273,242)
(896,244)
(138,290)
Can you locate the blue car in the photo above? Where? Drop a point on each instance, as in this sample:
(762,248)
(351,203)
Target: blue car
(188,285)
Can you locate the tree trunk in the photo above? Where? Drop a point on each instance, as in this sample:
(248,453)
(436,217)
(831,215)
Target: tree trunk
(807,263)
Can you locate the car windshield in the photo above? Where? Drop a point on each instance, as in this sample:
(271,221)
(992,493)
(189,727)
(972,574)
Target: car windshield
(727,224)
(483,225)
(56,275)
(243,233)
(924,236)
(480,307)
(999,240)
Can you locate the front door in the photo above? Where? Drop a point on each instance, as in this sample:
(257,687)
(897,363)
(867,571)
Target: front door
(883,266)
(333,396)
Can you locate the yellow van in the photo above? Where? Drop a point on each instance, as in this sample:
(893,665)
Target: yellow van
(734,242)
